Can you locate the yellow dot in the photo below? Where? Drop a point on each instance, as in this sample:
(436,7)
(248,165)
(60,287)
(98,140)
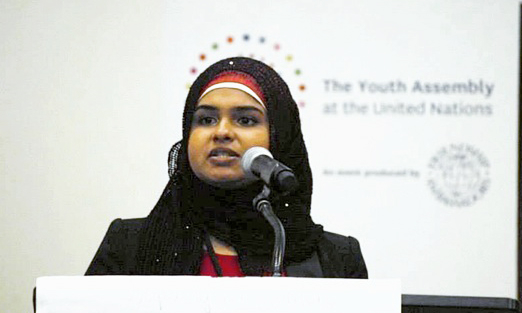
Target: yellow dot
(289,57)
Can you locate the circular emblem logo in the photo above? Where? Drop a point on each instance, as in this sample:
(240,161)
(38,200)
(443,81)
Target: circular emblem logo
(258,47)
(459,175)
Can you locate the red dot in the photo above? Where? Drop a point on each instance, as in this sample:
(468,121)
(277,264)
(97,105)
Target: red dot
(301,104)
(202,57)
(193,70)
(277,46)
(230,40)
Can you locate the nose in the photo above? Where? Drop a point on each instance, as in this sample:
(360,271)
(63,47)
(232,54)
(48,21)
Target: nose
(224,131)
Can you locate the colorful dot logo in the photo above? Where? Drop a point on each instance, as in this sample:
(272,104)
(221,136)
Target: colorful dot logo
(272,53)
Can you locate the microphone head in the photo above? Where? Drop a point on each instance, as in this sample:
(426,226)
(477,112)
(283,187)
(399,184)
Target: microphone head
(248,158)
(286,182)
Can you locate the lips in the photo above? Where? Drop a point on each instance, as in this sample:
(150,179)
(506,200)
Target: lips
(223,156)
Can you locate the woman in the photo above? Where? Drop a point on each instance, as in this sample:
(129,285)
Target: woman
(204,223)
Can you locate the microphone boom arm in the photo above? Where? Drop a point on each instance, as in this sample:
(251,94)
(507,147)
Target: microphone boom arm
(262,205)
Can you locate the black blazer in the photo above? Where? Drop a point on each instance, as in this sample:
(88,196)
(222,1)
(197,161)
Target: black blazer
(336,256)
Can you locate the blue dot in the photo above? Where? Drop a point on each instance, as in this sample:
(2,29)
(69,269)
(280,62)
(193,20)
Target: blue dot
(246,37)
(262,40)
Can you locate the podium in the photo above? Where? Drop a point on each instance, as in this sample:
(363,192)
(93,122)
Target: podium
(154,294)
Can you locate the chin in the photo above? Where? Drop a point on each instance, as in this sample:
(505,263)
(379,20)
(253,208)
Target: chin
(227,182)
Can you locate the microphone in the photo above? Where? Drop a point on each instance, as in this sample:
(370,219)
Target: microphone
(258,163)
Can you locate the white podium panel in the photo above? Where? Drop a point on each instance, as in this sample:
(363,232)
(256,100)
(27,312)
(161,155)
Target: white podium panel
(133,294)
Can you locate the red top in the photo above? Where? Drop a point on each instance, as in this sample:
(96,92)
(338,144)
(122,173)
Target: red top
(229,266)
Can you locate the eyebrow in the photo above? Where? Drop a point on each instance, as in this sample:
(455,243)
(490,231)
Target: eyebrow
(241,108)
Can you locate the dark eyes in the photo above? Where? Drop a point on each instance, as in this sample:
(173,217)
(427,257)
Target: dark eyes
(206,120)
(247,120)
(240,120)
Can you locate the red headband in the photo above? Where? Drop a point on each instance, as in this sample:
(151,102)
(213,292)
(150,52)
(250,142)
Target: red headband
(240,78)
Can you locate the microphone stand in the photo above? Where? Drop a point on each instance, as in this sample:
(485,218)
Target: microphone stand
(262,205)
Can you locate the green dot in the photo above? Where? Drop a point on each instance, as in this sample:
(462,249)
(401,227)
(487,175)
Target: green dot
(215,46)
(297,72)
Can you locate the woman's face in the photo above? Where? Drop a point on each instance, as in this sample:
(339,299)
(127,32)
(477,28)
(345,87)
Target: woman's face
(225,124)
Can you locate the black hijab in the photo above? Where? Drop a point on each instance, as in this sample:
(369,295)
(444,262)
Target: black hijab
(172,240)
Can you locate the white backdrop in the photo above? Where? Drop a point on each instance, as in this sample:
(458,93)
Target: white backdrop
(409,110)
